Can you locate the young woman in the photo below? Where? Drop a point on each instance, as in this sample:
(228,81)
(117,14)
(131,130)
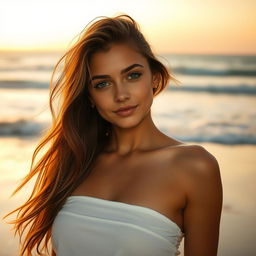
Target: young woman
(110,182)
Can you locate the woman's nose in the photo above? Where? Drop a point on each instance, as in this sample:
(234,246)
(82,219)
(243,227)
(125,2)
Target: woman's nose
(121,92)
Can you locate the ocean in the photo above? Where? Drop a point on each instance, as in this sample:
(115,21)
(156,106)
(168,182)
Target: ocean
(215,101)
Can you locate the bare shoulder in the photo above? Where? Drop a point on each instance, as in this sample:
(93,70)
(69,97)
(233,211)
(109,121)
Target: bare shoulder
(199,170)
(201,181)
(196,161)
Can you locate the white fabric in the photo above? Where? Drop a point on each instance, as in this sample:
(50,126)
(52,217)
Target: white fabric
(97,227)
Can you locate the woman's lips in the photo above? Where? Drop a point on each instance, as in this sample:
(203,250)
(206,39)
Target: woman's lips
(126,112)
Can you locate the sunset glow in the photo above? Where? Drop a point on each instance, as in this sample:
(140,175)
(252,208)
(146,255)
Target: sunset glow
(177,26)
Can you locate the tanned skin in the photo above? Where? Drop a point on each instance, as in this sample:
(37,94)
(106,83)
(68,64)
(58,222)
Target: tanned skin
(145,167)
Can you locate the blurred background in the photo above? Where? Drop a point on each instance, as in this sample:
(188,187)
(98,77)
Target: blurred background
(210,46)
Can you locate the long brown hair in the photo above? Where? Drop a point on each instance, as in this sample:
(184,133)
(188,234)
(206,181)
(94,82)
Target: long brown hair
(78,133)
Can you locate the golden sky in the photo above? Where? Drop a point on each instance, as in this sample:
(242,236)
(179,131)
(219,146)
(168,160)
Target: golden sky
(171,26)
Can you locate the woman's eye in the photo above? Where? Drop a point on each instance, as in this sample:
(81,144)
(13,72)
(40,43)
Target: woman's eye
(134,75)
(100,85)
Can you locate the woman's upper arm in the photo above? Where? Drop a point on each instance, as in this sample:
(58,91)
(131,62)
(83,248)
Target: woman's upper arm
(204,205)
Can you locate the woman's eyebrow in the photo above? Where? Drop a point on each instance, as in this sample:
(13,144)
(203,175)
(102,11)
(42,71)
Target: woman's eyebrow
(122,71)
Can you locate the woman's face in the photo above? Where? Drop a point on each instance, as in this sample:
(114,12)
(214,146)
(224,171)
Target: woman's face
(121,77)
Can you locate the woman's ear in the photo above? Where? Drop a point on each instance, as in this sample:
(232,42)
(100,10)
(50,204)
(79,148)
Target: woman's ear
(91,101)
(155,80)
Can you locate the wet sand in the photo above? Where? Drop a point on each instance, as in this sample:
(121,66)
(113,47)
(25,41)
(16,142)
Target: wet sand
(238,221)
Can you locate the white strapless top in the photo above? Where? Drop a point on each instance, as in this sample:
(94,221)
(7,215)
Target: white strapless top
(90,226)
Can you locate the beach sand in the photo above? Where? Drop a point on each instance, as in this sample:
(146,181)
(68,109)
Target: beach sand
(238,171)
